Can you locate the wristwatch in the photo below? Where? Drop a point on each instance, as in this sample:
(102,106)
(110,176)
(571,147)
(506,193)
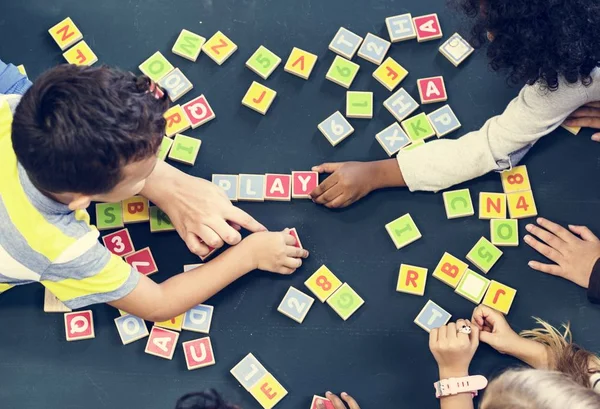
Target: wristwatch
(453,386)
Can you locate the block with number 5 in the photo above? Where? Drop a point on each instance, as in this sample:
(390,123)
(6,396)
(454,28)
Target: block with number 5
(295,305)
(142,261)
(336,128)
(323,283)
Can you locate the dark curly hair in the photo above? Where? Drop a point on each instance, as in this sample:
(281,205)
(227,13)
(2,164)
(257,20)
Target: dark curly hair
(538,40)
(77,127)
(209,399)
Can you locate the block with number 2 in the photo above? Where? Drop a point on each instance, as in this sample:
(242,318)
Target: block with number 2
(374,49)
(295,305)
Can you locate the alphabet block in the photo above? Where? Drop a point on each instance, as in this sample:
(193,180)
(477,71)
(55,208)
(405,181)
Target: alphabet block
(319,399)
(185,149)
(259,98)
(390,74)
(401,104)
(392,139)
(156,67)
(80,54)
(165,146)
(359,104)
(188,45)
(176,84)
(521,205)
(504,232)
(229,183)
(345,43)
(411,280)
(515,179)
(472,286)
(251,188)
(198,318)
(303,183)
(268,391)
(174,323)
(278,187)
(444,121)
(492,206)
(53,304)
(499,297)
(159,221)
(413,145)
(119,243)
(336,128)
(428,27)
(135,210)
(249,371)
(162,342)
(198,353)
(323,283)
(219,47)
(432,90)
(418,127)
(131,328)
(177,121)
(456,49)
(294,234)
(263,62)
(484,255)
(432,316)
(65,33)
(300,63)
(109,216)
(342,71)
(143,261)
(403,231)
(79,325)
(572,129)
(401,28)
(345,301)
(374,49)
(198,111)
(458,203)
(295,305)
(450,270)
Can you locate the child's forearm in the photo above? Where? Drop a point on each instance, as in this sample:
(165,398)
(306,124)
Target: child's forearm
(459,401)
(531,352)
(386,173)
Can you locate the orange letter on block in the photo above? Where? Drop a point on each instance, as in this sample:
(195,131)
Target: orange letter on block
(411,278)
(267,390)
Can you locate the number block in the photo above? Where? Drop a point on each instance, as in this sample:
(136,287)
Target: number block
(263,62)
(176,84)
(401,104)
(165,146)
(177,121)
(303,183)
(418,127)
(504,232)
(248,371)
(143,261)
(374,49)
(390,74)
(432,316)
(162,342)
(188,45)
(323,283)
(295,305)
(300,63)
(198,353)
(53,304)
(444,121)
(156,67)
(79,325)
(185,149)
(450,270)
(345,301)
(411,280)
(456,49)
(458,203)
(159,221)
(135,210)
(403,231)
(515,180)
(251,188)
(342,71)
(188,267)
(484,255)
(278,187)
(319,399)
(392,139)
(131,328)
(268,391)
(219,47)
(401,28)
(80,54)
(294,234)
(109,216)
(572,129)
(428,27)
(65,33)
(259,98)
(499,297)
(336,128)
(521,205)
(345,43)
(472,286)
(432,90)
(119,243)
(413,145)
(174,323)
(198,318)
(198,111)
(492,206)
(359,104)
(229,183)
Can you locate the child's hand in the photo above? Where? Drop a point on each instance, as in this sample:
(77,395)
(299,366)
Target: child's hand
(453,351)
(274,252)
(494,329)
(337,402)
(574,257)
(586,116)
(349,182)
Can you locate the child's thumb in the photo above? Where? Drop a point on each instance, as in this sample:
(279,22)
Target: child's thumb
(487,338)
(327,167)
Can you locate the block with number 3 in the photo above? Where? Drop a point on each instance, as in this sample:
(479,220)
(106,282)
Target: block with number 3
(119,243)
(374,49)
(142,261)
(295,305)
(323,283)
(336,128)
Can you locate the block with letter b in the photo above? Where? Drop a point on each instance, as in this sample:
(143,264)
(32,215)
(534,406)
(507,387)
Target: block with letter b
(79,325)
(403,231)
(411,280)
(323,283)
(295,305)
(109,216)
(345,43)
(198,111)
(432,316)
(450,270)
(136,210)
(198,353)
(143,261)
(336,128)
(484,255)
(198,319)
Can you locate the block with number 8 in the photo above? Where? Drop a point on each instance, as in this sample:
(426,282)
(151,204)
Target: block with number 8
(342,72)
(323,283)
(336,128)
(295,305)
(515,180)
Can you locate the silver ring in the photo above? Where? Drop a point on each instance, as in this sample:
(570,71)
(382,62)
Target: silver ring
(464,329)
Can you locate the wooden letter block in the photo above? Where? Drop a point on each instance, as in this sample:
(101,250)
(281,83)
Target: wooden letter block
(323,283)
(156,67)
(278,187)
(165,146)
(521,205)
(198,353)
(295,305)
(143,261)
(162,342)
(499,297)
(65,33)
(79,325)
(428,27)
(251,188)
(336,128)
(188,45)
(401,104)
(392,139)
(458,203)
(119,243)
(159,221)
(403,231)
(263,62)
(131,328)
(572,129)
(229,183)
(412,280)
(345,301)
(345,43)
(177,121)
(294,234)
(319,399)
(259,98)
(432,316)
(342,71)
(450,270)
(472,286)
(492,206)
(418,127)
(484,255)
(359,104)
(176,84)
(374,49)
(198,319)
(248,371)
(80,54)
(515,180)
(53,304)
(185,149)
(432,90)
(401,28)
(300,63)
(109,216)
(390,74)
(444,121)
(198,111)
(268,391)
(504,232)
(135,210)
(174,323)
(303,183)
(456,49)
(219,48)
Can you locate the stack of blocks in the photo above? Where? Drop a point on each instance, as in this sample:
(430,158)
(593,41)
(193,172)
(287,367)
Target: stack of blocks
(66,34)
(261,384)
(270,187)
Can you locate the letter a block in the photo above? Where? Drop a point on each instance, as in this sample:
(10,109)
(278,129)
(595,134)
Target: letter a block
(188,45)
(504,232)
(444,121)
(135,210)
(390,74)
(450,270)
(198,353)
(418,128)
(484,255)
(303,183)
(278,187)
(198,111)
(159,221)
(432,90)
(131,328)
(65,33)
(156,67)
(198,319)
(259,98)
(472,286)
(251,188)
(268,391)
(492,206)
(248,371)
(162,342)
(79,325)
(177,121)
(412,280)
(80,54)
(499,297)
(300,63)
(403,231)
(458,203)
(219,47)
(428,27)
(109,216)
(432,316)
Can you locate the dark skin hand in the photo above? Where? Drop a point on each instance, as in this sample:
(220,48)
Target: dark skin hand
(588,116)
(338,403)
